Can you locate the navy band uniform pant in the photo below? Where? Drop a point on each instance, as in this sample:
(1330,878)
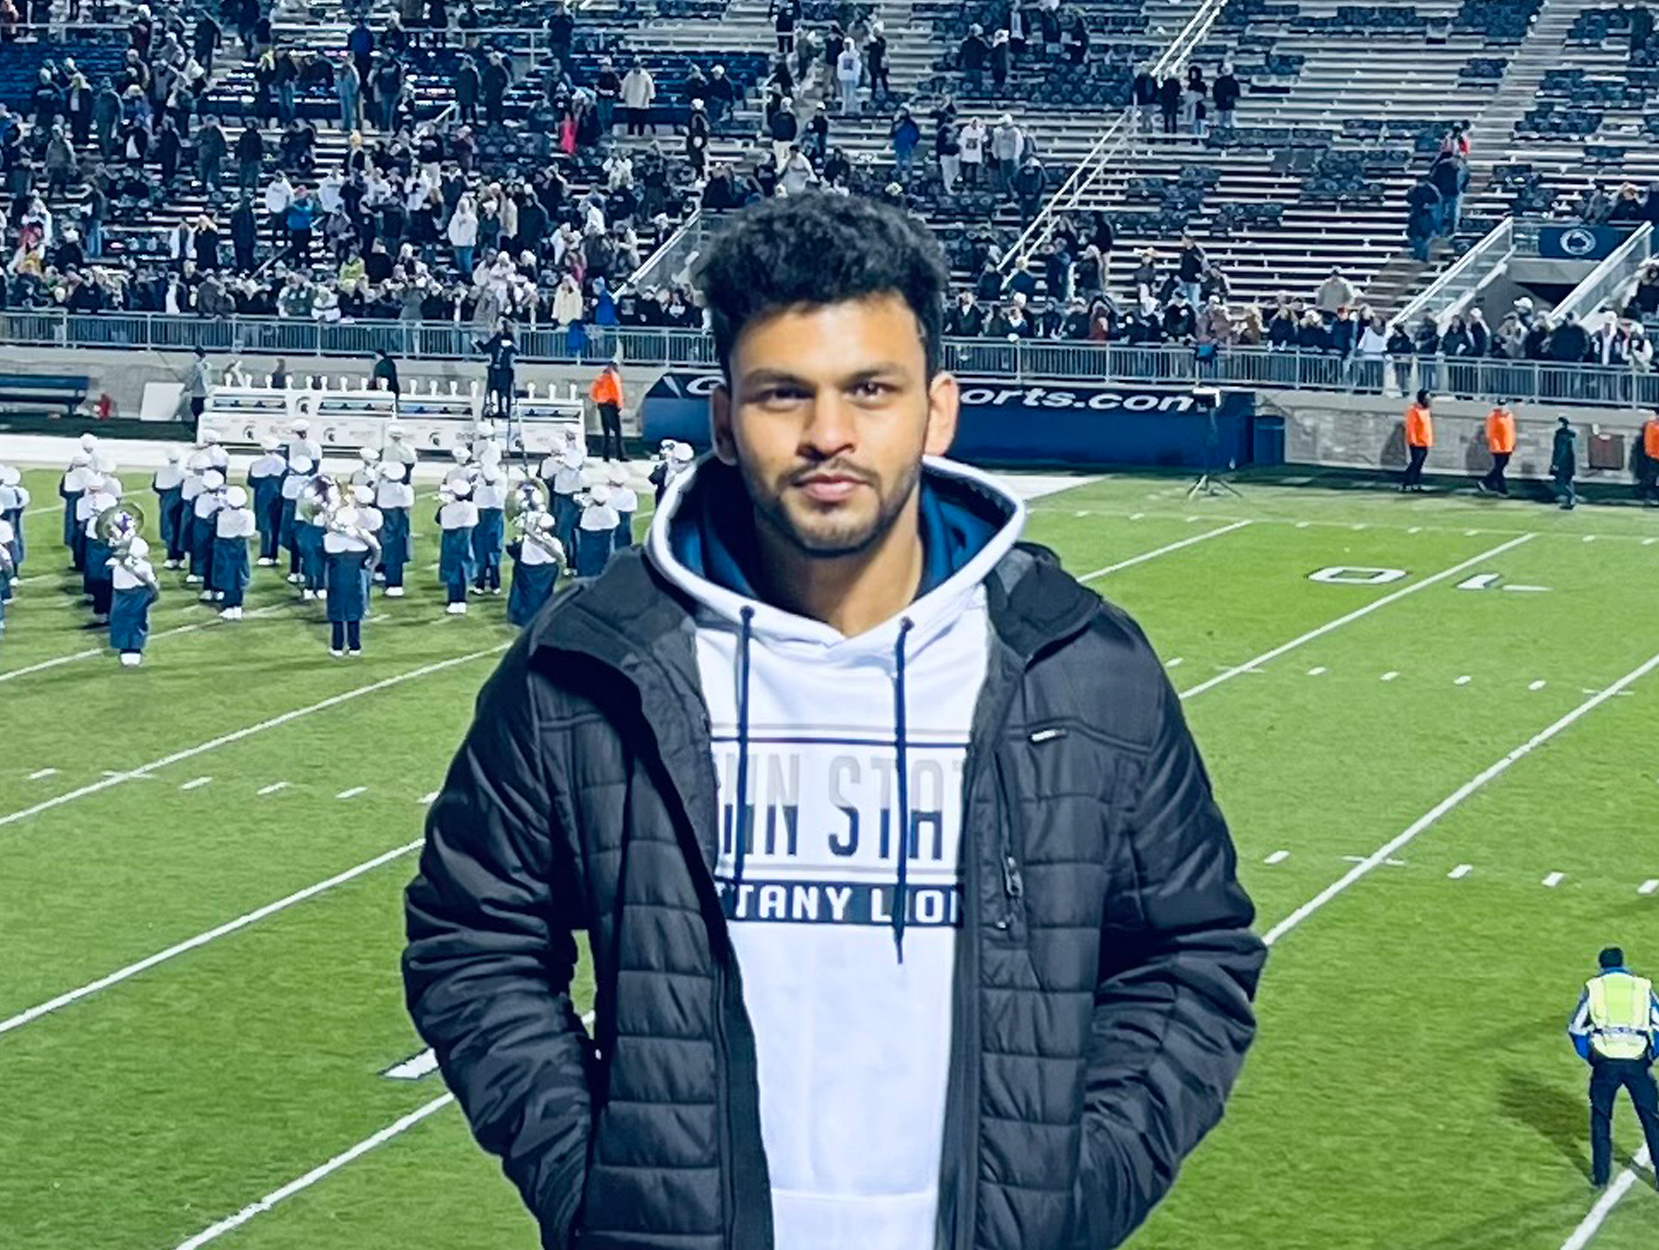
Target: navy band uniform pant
(1607,1078)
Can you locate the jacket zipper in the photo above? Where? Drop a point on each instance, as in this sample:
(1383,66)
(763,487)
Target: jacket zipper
(1013,884)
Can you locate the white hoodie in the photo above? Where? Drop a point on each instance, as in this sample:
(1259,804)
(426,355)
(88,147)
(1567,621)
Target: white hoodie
(852,1044)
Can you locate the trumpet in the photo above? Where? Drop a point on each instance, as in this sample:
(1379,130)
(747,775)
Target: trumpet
(525,501)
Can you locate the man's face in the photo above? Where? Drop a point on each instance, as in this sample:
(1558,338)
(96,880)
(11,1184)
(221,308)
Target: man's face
(838,393)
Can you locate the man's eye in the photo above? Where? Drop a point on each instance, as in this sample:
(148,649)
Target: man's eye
(873,390)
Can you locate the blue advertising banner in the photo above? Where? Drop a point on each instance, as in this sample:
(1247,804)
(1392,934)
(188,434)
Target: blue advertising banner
(1031,423)
(1580,242)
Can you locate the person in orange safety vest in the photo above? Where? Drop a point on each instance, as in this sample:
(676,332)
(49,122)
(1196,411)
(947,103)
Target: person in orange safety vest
(1500,441)
(606,393)
(1647,473)
(1419,438)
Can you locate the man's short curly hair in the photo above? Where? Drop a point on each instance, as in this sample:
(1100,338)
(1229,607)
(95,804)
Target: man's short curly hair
(820,248)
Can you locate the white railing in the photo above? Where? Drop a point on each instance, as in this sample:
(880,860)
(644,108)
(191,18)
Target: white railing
(1453,290)
(1092,168)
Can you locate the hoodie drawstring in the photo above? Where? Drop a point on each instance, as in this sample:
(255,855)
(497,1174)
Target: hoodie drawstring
(901,892)
(742,801)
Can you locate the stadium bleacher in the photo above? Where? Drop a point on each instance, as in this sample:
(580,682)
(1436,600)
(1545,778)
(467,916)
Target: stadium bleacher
(1343,108)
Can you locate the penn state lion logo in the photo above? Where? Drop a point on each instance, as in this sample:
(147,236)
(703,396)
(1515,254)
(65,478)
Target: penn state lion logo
(1578,241)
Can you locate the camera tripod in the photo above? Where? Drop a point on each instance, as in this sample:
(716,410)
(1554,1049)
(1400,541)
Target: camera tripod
(1211,481)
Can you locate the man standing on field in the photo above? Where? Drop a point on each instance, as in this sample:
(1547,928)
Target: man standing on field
(913,920)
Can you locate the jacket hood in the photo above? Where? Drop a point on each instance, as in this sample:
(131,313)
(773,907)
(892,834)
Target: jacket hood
(702,539)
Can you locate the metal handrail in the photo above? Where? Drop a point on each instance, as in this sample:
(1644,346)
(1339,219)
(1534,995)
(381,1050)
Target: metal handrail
(1088,171)
(1447,294)
(1006,362)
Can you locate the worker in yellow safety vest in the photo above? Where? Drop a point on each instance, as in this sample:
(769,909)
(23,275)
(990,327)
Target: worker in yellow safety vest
(1615,1029)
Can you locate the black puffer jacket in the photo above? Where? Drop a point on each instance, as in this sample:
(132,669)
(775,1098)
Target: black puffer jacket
(1103,978)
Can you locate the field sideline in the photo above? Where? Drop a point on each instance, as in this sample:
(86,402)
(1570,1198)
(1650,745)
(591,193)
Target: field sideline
(1429,720)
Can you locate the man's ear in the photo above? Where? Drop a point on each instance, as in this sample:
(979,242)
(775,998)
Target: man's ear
(720,424)
(944,405)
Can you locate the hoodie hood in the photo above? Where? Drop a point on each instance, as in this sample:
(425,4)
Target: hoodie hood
(702,539)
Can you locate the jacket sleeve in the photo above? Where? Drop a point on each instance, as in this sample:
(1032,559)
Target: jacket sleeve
(490,954)
(1178,971)
(1578,1028)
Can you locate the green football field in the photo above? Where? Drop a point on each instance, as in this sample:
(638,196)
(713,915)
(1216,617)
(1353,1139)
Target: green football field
(1438,758)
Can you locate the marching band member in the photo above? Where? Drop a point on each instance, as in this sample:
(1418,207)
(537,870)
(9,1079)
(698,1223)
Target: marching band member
(489,496)
(189,491)
(293,485)
(371,519)
(400,450)
(394,498)
(457,515)
(14,499)
(207,504)
(6,571)
(567,484)
(97,577)
(265,478)
(133,588)
(597,532)
(233,525)
(308,539)
(96,460)
(626,503)
(658,477)
(483,444)
(368,472)
(537,560)
(350,550)
(464,470)
(301,443)
(217,457)
(168,485)
(70,488)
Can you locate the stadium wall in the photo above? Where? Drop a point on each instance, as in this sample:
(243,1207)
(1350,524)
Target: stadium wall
(1082,424)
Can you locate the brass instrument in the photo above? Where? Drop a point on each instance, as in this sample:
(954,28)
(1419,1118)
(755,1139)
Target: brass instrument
(119,524)
(525,500)
(319,500)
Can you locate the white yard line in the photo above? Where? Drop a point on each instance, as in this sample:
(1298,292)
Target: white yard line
(352,793)
(272,788)
(1164,550)
(1278,857)
(1461,871)
(44,772)
(1457,796)
(323,1170)
(1592,1222)
(248,732)
(166,633)
(202,939)
(195,783)
(1355,615)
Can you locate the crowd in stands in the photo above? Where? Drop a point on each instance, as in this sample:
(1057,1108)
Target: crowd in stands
(422,215)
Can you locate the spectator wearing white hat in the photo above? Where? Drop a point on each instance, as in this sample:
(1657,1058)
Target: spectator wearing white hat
(233,525)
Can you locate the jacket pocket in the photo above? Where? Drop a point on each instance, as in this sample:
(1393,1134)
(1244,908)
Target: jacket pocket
(1010,915)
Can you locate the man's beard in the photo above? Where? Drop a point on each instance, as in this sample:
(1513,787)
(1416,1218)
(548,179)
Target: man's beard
(831,533)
